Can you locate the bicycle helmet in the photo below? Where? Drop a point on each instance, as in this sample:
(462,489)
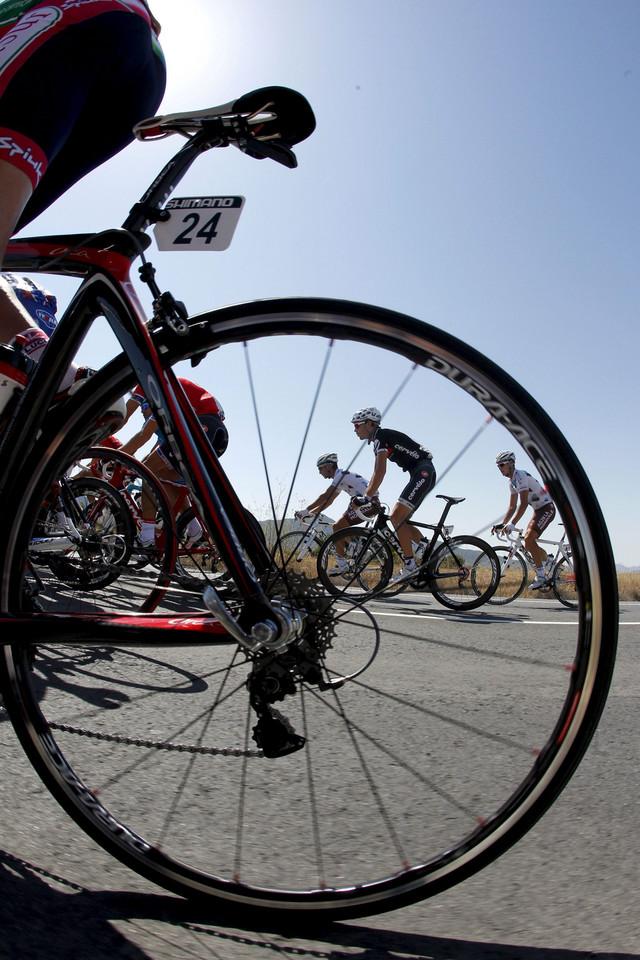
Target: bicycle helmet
(505,456)
(36,300)
(327,458)
(367,413)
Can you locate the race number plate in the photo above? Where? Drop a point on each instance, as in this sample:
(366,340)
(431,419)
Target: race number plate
(199,223)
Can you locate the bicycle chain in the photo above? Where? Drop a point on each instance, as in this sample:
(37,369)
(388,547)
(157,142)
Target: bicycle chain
(156,744)
(306,655)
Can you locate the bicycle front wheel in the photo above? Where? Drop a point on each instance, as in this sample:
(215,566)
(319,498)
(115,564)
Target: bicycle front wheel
(513,575)
(299,552)
(97,552)
(367,562)
(396,738)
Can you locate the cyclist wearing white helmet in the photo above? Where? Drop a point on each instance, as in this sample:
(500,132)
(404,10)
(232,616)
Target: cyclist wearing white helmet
(342,481)
(531,493)
(411,457)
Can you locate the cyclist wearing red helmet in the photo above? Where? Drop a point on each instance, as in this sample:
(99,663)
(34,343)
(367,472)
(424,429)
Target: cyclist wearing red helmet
(161,460)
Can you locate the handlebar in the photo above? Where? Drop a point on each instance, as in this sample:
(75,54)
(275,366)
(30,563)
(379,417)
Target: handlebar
(513,535)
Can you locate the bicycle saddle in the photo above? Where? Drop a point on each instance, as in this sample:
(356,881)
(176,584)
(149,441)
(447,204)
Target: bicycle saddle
(266,114)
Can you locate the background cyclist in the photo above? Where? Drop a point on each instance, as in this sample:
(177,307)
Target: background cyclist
(161,461)
(530,493)
(341,481)
(411,457)
(74,79)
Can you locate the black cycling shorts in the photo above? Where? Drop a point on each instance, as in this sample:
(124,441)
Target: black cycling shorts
(74,80)
(423,478)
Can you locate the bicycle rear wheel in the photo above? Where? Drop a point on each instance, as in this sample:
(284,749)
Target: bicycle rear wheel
(564,584)
(97,551)
(412,754)
(463,573)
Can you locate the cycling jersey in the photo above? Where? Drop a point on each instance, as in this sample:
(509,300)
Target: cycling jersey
(523,481)
(75,77)
(12,10)
(38,302)
(351,483)
(401,449)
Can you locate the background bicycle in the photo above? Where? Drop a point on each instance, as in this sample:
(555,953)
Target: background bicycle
(516,563)
(374,556)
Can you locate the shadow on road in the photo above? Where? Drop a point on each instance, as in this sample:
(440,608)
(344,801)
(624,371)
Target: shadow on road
(48,916)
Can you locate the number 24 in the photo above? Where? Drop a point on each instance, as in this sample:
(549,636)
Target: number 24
(207,233)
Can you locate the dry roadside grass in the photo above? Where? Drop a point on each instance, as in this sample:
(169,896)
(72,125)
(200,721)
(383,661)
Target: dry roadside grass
(629,586)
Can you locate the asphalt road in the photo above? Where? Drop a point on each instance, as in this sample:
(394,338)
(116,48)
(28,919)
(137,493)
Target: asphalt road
(567,891)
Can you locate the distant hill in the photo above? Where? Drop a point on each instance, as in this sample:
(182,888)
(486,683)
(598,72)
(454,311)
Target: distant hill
(620,567)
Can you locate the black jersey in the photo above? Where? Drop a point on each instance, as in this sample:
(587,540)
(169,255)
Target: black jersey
(402,449)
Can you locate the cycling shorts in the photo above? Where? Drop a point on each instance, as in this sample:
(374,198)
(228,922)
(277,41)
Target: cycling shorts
(74,80)
(217,435)
(541,519)
(423,478)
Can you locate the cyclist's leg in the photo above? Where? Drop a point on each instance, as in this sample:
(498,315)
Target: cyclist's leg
(420,484)
(348,519)
(539,522)
(88,77)
(15,190)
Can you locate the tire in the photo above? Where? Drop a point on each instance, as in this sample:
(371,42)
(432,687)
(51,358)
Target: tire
(369,563)
(449,573)
(415,755)
(564,585)
(513,576)
(140,579)
(299,553)
(106,530)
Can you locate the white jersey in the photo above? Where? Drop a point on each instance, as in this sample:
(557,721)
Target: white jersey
(351,483)
(521,481)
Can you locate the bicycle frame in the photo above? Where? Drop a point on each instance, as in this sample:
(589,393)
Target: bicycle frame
(563,549)
(103,262)
(440,531)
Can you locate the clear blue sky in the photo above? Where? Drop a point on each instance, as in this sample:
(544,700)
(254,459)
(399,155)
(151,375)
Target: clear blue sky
(475,165)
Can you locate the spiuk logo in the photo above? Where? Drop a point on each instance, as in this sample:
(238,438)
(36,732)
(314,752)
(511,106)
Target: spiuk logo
(13,149)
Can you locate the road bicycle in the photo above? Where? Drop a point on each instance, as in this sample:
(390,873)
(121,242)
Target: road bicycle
(335,758)
(374,555)
(185,562)
(516,561)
